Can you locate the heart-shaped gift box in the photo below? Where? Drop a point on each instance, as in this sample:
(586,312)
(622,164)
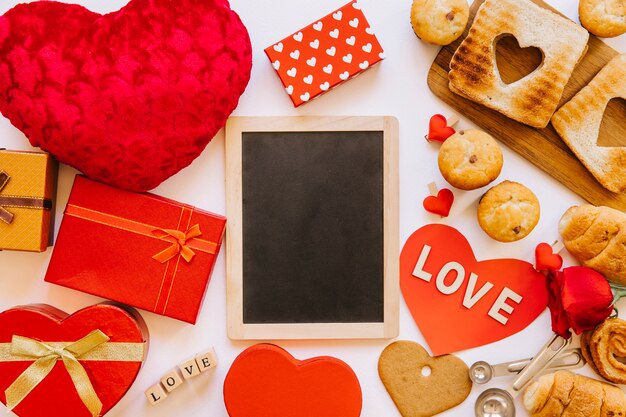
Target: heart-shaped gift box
(266,381)
(82,364)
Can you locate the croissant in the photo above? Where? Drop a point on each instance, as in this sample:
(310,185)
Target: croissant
(596,236)
(564,394)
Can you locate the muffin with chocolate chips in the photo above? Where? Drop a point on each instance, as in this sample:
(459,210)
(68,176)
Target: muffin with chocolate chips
(470,159)
(508,212)
(439,22)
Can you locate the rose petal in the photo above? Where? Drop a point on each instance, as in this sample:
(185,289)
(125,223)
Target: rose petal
(560,323)
(586,297)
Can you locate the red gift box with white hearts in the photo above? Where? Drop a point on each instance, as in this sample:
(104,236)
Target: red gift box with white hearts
(326,53)
(138,249)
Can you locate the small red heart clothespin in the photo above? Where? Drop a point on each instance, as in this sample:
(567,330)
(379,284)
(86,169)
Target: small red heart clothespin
(547,256)
(439,201)
(440,128)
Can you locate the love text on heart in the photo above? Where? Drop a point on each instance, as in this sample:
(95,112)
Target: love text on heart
(471,296)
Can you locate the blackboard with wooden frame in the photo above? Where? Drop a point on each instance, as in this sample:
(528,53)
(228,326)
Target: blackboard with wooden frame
(312,234)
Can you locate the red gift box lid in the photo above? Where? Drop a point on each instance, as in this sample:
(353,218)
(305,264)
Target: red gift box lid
(325,53)
(138,249)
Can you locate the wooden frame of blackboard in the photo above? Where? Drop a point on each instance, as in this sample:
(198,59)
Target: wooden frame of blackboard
(235,129)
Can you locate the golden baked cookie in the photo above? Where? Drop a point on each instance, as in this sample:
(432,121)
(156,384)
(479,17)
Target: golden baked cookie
(604,18)
(421,385)
(508,212)
(439,21)
(470,159)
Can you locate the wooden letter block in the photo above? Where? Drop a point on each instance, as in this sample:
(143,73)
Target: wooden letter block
(189,369)
(171,380)
(206,360)
(156,394)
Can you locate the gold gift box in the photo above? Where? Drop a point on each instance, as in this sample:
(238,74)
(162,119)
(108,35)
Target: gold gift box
(27,192)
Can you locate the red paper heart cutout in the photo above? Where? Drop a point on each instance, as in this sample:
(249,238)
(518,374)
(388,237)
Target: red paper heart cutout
(546,259)
(438,129)
(131,97)
(266,381)
(441,204)
(446,323)
(56,395)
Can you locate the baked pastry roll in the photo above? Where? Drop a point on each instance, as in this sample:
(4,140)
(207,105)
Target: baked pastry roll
(596,237)
(564,394)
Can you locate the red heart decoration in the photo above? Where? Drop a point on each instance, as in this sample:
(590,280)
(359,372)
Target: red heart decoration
(131,97)
(461,319)
(56,395)
(546,260)
(441,204)
(266,381)
(438,129)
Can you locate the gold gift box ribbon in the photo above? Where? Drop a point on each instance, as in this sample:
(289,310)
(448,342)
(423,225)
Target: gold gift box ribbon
(93,347)
(18,201)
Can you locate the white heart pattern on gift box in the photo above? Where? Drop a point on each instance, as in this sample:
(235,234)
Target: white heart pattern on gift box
(325,53)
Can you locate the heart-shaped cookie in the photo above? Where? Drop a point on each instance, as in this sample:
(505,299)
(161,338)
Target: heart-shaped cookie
(131,97)
(438,129)
(420,385)
(266,381)
(111,367)
(459,302)
(439,204)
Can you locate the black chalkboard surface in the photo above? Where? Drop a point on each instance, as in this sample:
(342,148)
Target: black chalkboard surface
(309,219)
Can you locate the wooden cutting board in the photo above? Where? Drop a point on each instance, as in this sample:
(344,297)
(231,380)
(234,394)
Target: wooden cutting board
(542,147)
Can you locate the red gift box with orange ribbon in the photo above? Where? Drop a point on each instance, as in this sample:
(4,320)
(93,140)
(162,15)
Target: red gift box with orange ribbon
(138,249)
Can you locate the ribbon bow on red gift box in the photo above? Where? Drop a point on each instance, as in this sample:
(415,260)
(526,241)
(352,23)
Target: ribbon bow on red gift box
(179,246)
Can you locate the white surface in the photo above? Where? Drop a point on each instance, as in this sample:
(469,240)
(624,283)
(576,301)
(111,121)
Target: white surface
(396,87)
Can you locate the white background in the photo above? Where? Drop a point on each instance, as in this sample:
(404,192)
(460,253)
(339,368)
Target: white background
(395,87)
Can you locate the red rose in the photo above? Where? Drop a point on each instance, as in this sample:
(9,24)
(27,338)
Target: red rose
(579,298)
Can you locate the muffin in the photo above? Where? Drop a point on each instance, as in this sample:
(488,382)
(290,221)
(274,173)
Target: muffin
(604,18)
(508,212)
(470,159)
(439,22)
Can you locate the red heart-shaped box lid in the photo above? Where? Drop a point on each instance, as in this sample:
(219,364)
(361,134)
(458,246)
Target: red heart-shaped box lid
(266,381)
(56,395)
(131,97)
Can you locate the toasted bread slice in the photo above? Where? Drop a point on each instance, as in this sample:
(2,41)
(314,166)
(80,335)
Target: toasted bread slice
(533,99)
(578,123)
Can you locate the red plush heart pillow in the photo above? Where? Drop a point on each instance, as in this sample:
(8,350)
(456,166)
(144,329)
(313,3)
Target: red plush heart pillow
(129,98)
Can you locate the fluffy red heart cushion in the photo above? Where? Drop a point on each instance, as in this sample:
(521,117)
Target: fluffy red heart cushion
(266,381)
(131,97)
(56,395)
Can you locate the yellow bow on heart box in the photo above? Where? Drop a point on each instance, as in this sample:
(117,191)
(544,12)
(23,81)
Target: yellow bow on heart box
(93,347)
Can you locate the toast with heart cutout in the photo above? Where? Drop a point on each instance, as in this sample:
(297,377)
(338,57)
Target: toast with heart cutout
(578,124)
(533,99)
